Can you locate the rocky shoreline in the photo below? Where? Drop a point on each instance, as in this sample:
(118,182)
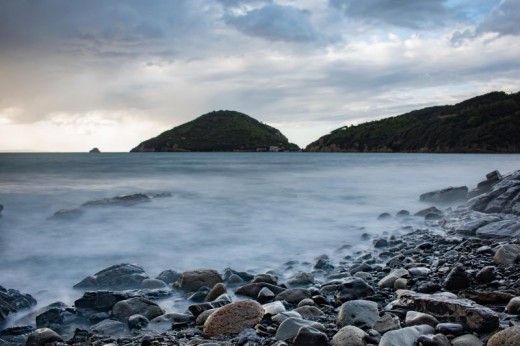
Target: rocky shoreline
(453,281)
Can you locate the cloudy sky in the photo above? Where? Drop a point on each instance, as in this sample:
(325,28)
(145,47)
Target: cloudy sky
(109,74)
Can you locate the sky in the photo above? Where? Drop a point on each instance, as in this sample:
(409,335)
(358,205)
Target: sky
(110,74)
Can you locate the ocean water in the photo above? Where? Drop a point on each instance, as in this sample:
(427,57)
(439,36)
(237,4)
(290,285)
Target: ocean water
(247,211)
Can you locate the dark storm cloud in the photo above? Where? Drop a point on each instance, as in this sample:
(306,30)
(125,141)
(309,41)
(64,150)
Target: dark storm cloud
(275,23)
(504,20)
(414,14)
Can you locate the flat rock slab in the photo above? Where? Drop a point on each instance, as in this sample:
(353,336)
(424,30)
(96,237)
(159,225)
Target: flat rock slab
(477,317)
(446,196)
(118,277)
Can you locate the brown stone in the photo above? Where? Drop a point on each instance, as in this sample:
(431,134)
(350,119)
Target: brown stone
(42,337)
(217,290)
(233,318)
(192,280)
(507,337)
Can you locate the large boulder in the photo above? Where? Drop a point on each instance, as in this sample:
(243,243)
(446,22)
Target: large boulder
(192,280)
(99,301)
(12,301)
(233,318)
(507,254)
(477,317)
(506,337)
(504,197)
(446,196)
(118,277)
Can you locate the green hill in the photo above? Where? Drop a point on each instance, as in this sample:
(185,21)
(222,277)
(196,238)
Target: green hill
(219,131)
(485,124)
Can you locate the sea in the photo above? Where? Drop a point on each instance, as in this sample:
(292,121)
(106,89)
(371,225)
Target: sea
(254,212)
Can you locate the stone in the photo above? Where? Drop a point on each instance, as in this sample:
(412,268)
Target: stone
(507,254)
(359,313)
(457,279)
(467,340)
(253,289)
(123,309)
(199,296)
(414,318)
(402,213)
(274,308)
(137,321)
(323,263)
(446,196)
(111,328)
(197,309)
(400,284)
(307,302)
(513,307)
(153,284)
(265,295)
(169,276)
(406,336)
(477,317)
(419,271)
(294,295)
(94,151)
(349,336)
(99,301)
(389,280)
(289,328)
(12,301)
(217,290)
(233,318)
(352,289)
(433,340)
(282,316)
(380,243)
(486,275)
(454,329)
(386,323)
(121,201)
(308,336)
(424,212)
(267,278)
(508,228)
(201,319)
(309,312)
(190,281)
(42,337)
(118,277)
(384,216)
(300,279)
(62,320)
(506,337)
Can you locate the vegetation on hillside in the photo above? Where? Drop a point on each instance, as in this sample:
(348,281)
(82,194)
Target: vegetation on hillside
(219,131)
(485,124)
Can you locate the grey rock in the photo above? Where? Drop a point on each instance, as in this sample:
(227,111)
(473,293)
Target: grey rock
(427,211)
(301,279)
(233,318)
(389,280)
(386,323)
(197,309)
(42,337)
(282,316)
(308,336)
(169,276)
(405,337)
(513,307)
(400,284)
(433,340)
(477,317)
(122,200)
(359,313)
(507,254)
(123,309)
(153,284)
(217,290)
(454,329)
(415,318)
(118,277)
(380,243)
(309,312)
(267,278)
(349,336)
(486,274)
(351,289)
(265,295)
(467,340)
(63,321)
(419,271)
(253,289)
(507,337)
(111,328)
(12,301)
(99,301)
(274,308)
(289,328)
(137,321)
(446,196)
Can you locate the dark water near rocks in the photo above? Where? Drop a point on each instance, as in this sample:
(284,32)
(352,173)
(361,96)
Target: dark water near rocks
(246,211)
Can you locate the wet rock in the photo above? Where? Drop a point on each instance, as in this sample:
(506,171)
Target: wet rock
(308,336)
(200,295)
(323,263)
(513,307)
(172,319)
(486,274)
(380,243)
(294,295)
(67,214)
(153,284)
(427,211)
(389,280)
(233,318)
(118,277)
(12,301)
(217,290)
(309,312)
(508,228)
(123,309)
(507,254)
(454,329)
(137,321)
(63,321)
(405,337)
(300,279)
(352,289)
(477,317)
(349,336)
(433,216)
(414,318)
(400,284)
(433,340)
(487,297)
(386,323)
(457,279)
(265,295)
(197,309)
(123,200)
(99,301)
(169,276)
(403,213)
(428,287)
(192,280)
(267,278)
(360,313)
(42,337)
(485,186)
(253,289)
(384,216)
(506,337)
(274,308)
(446,196)
(111,328)
(466,340)
(289,328)
(503,197)
(282,316)
(244,276)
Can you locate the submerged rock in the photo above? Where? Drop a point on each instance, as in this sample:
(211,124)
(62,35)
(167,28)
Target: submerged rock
(123,200)
(12,301)
(446,196)
(118,277)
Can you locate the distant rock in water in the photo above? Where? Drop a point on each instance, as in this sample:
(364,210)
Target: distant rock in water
(95,151)
(488,123)
(219,131)
(446,196)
